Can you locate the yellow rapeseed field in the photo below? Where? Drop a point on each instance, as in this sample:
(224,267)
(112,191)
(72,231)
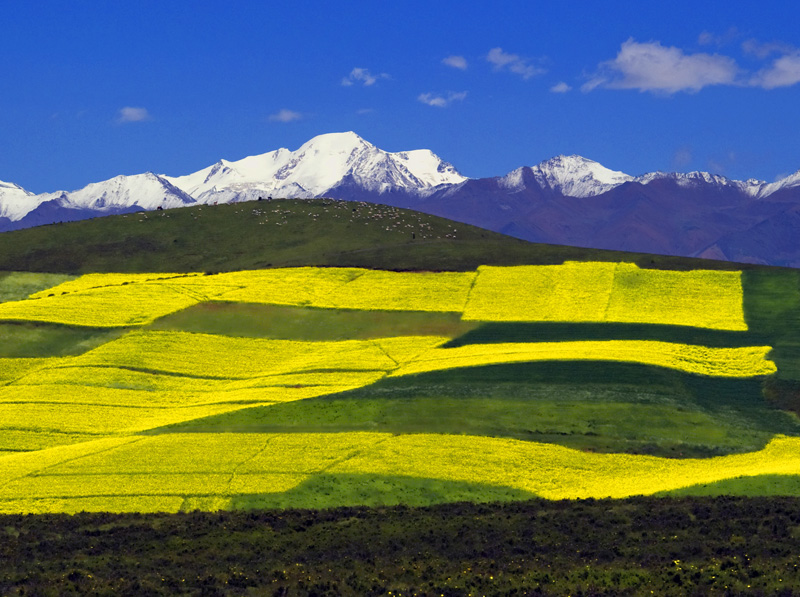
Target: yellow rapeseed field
(212,356)
(600,291)
(94,281)
(571,292)
(574,291)
(706,299)
(722,362)
(556,472)
(200,466)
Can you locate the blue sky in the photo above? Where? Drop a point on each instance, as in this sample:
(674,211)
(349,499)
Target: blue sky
(95,89)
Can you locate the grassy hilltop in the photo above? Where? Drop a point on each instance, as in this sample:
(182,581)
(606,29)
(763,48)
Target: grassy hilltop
(180,381)
(285,233)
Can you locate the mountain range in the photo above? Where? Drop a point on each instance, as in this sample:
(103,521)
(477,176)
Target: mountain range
(566,200)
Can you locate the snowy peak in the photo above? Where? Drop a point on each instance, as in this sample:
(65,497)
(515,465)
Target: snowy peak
(15,201)
(319,165)
(789,182)
(572,176)
(148,191)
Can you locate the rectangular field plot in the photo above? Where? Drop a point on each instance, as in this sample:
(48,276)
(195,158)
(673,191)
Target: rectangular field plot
(569,292)
(704,299)
(723,362)
(600,291)
(403,291)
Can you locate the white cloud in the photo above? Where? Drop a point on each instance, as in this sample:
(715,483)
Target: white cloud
(130,114)
(441,101)
(561,87)
(514,63)
(784,72)
(656,68)
(363,76)
(458,62)
(285,116)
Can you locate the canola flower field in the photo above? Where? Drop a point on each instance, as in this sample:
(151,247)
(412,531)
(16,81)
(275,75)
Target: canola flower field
(71,426)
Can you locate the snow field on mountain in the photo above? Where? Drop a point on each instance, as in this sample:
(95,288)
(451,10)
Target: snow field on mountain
(195,467)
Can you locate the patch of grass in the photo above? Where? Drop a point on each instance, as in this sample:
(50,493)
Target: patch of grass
(772,309)
(760,485)
(15,286)
(600,407)
(31,339)
(309,323)
(327,491)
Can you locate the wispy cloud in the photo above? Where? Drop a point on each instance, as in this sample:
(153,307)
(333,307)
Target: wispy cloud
(561,87)
(131,114)
(514,63)
(783,72)
(285,116)
(441,101)
(661,69)
(766,49)
(363,76)
(458,62)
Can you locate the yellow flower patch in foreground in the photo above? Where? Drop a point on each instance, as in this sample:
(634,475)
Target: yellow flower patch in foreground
(210,468)
(747,361)
(556,472)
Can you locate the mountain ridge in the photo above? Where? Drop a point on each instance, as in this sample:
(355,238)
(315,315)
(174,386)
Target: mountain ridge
(568,199)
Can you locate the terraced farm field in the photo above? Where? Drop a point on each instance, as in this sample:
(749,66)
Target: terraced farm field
(337,386)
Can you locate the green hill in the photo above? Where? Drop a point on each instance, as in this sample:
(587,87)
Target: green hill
(285,233)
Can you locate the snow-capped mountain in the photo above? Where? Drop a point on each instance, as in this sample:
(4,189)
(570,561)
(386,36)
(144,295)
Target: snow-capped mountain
(563,200)
(148,191)
(16,202)
(318,166)
(570,176)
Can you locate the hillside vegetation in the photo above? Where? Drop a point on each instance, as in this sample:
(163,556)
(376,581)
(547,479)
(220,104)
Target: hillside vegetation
(286,233)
